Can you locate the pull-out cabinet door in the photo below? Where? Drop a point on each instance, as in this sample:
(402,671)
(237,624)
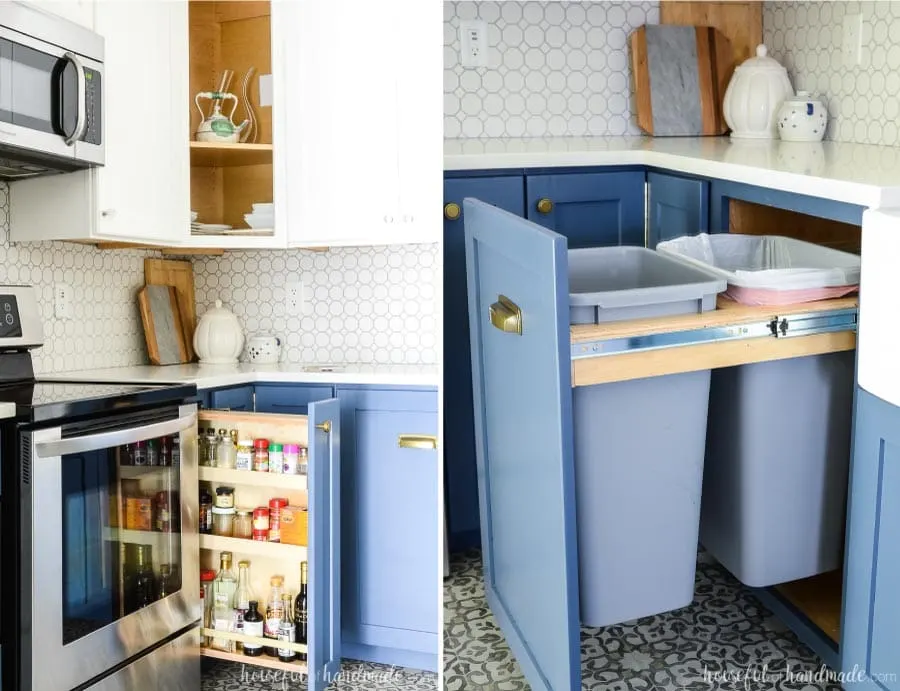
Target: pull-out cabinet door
(518,315)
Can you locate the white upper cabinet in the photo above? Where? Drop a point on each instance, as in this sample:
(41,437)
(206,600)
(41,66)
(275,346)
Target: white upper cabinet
(142,193)
(78,11)
(358,141)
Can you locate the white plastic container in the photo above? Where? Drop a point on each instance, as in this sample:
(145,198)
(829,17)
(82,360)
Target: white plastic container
(769,269)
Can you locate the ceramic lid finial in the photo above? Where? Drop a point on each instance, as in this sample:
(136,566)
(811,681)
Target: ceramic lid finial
(761,50)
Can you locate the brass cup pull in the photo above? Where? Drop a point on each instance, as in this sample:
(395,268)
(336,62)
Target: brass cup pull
(325,426)
(416,441)
(544,206)
(506,315)
(452,211)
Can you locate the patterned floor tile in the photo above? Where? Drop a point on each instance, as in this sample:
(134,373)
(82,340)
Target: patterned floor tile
(725,640)
(354,676)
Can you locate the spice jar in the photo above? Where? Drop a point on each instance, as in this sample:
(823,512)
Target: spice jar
(291,454)
(212,445)
(223,522)
(227,452)
(276,458)
(224,497)
(243,523)
(302,461)
(163,516)
(275,506)
(139,453)
(244,457)
(261,455)
(261,523)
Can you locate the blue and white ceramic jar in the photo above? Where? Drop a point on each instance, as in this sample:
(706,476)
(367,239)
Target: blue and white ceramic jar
(802,118)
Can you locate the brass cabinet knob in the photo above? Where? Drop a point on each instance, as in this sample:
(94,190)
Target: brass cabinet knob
(452,211)
(544,206)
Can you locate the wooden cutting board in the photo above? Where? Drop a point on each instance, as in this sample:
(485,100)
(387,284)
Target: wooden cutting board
(680,75)
(180,274)
(162,325)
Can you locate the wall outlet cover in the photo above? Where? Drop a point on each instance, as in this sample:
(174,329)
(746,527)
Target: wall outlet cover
(473,43)
(62,301)
(265,90)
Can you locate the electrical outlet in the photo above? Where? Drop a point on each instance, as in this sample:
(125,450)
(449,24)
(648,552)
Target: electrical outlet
(473,43)
(62,301)
(293,297)
(265,90)
(852,45)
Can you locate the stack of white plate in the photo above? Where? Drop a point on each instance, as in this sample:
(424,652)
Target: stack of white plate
(262,217)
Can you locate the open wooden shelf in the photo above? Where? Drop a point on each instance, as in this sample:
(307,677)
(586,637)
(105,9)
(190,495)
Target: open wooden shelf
(211,154)
(258,661)
(253,478)
(240,546)
(819,598)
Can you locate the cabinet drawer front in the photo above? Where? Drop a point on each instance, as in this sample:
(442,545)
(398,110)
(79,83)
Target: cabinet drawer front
(293,400)
(233,398)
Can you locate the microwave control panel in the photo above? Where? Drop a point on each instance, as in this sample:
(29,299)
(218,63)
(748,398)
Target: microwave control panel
(10,325)
(92,96)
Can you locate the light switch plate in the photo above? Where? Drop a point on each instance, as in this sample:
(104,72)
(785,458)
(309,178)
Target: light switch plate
(265,90)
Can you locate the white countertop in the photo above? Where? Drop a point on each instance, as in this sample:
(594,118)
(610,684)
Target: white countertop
(213,376)
(7,410)
(862,174)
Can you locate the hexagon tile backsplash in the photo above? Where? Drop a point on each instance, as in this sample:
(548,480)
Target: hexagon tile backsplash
(364,304)
(863,100)
(554,69)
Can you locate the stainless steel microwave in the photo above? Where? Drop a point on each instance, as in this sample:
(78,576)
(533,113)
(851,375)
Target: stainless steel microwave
(51,94)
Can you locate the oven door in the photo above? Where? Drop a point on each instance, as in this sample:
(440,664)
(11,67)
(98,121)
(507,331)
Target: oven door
(50,100)
(111,564)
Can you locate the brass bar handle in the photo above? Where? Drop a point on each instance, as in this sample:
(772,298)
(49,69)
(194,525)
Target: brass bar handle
(416,441)
(452,211)
(506,316)
(325,426)
(544,206)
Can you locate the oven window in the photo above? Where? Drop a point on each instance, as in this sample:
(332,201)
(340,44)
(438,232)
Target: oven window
(121,541)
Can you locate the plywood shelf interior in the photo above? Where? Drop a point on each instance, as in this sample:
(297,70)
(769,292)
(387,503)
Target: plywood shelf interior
(252,478)
(236,36)
(211,154)
(258,661)
(748,218)
(241,546)
(819,598)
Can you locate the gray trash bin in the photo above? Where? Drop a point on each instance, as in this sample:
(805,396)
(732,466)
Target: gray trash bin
(639,444)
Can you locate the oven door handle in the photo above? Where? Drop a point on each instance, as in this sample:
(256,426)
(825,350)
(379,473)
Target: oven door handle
(93,442)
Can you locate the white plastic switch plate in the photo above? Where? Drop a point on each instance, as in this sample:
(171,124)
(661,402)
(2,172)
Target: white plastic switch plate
(265,90)
(293,298)
(473,43)
(852,46)
(62,301)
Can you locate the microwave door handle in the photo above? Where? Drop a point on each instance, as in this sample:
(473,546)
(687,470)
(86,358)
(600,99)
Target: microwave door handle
(81,121)
(93,442)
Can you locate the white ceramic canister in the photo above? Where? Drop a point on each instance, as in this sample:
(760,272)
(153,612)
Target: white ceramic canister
(754,94)
(218,339)
(802,118)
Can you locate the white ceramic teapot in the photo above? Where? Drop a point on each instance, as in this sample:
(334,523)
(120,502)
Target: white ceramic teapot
(802,118)
(218,339)
(754,94)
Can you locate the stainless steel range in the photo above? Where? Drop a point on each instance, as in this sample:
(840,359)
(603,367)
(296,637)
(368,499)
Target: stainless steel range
(98,537)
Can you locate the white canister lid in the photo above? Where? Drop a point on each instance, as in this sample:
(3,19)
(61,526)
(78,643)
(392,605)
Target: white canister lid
(220,510)
(761,61)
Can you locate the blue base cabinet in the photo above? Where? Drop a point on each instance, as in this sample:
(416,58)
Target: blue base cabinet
(678,206)
(506,193)
(389,524)
(232,398)
(870,632)
(589,209)
(289,399)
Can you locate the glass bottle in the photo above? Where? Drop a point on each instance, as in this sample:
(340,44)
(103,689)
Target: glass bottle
(253,626)
(223,594)
(202,448)
(175,455)
(226,450)
(274,611)
(286,631)
(212,445)
(164,587)
(207,578)
(139,453)
(153,452)
(242,596)
(144,588)
(206,506)
(301,612)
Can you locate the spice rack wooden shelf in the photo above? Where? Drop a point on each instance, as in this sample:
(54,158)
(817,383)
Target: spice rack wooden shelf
(211,154)
(253,478)
(242,546)
(138,537)
(259,661)
(135,472)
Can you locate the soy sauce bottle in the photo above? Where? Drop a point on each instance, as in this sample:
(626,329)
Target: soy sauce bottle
(253,626)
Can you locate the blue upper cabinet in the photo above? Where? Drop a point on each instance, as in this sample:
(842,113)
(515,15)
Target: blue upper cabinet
(589,209)
(459,433)
(678,206)
(870,632)
(233,398)
(389,522)
(289,399)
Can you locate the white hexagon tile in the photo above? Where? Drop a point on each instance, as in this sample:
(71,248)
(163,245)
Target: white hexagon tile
(366,304)
(106,329)
(863,100)
(554,69)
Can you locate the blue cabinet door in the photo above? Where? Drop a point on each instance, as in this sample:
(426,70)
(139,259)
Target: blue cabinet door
(390,526)
(678,206)
(524,446)
(459,431)
(589,209)
(232,398)
(870,630)
(324,642)
(289,399)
